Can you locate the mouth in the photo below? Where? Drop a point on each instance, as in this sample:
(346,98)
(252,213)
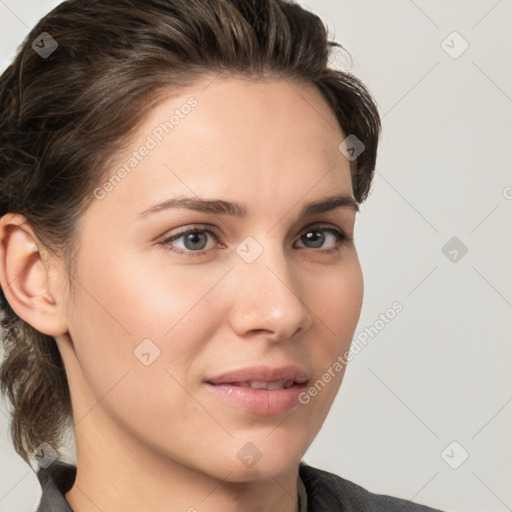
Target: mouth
(262,376)
(260,390)
(254,384)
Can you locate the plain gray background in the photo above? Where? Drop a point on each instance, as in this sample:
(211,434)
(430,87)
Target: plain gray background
(432,386)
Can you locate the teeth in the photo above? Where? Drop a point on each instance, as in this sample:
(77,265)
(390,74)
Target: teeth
(259,384)
(276,385)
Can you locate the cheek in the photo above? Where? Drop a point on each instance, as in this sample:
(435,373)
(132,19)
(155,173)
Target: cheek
(130,313)
(337,300)
(137,335)
(337,308)
(140,297)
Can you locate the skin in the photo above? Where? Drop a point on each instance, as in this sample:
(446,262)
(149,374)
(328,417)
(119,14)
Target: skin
(152,437)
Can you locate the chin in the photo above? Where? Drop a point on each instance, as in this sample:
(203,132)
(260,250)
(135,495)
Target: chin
(265,458)
(243,460)
(270,469)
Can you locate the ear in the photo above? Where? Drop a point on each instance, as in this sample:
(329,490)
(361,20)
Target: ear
(25,277)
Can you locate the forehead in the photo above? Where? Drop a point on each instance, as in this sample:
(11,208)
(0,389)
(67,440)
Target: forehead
(237,138)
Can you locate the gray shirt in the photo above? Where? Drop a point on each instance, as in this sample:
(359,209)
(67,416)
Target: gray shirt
(318,491)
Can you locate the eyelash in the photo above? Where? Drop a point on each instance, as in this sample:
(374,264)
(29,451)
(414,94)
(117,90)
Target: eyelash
(342,239)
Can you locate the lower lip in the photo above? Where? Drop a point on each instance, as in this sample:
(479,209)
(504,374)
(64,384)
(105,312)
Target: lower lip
(265,402)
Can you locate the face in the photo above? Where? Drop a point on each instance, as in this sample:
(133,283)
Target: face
(168,299)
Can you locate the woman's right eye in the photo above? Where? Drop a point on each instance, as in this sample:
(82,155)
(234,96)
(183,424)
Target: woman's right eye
(193,239)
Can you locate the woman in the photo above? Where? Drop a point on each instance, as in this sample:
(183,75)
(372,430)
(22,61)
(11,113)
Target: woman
(180,180)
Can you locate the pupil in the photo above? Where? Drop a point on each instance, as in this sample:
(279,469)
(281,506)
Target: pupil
(192,237)
(311,236)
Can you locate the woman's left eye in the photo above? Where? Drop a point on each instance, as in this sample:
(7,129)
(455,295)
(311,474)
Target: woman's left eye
(195,240)
(311,236)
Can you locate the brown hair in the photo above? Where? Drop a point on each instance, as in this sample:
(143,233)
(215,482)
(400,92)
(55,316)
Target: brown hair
(65,114)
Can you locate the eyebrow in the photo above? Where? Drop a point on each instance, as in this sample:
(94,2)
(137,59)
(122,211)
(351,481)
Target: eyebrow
(218,206)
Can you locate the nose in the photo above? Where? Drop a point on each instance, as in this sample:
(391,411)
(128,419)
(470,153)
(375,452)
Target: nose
(268,297)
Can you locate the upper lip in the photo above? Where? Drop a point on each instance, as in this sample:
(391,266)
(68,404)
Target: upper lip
(262,374)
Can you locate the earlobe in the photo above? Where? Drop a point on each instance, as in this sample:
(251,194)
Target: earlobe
(24,276)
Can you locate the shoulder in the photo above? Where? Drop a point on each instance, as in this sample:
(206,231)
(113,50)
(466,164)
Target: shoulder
(55,479)
(329,492)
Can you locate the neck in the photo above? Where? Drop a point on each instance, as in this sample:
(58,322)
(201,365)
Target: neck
(115,472)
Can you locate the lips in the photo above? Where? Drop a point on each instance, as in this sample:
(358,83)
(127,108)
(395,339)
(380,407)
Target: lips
(259,389)
(262,377)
